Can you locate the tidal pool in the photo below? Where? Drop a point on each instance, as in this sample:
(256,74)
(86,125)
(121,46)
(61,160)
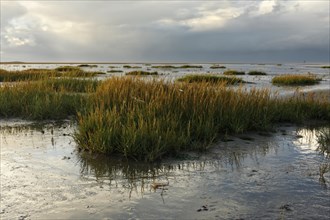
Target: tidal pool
(252,176)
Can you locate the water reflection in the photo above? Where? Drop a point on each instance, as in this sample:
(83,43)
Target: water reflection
(252,175)
(114,172)
(317,139)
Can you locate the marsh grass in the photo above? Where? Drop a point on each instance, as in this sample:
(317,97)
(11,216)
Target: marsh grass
(40,100)
(147,120)
(141,73)
(325,67)
(207,78)
(233,72)
(37,74)
(164,67)
(295,80)
(256,73)
(131,67)
(150,119)
(114,71)
(87,65)
(217,67)
(190,67)
(68,85)
(323,138)
(178,67)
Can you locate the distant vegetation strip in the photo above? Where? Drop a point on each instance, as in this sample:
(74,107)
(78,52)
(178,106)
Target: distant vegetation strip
(233,72)
(141,73)
(178,67)
(208,78)
(256,73)
(295,80)
(35,74)
(217,67)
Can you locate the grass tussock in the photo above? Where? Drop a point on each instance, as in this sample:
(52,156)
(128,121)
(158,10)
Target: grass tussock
(141,73)
(164,67)
(207,78)
(190,67)
(88,65)
(178,67)
(233,72)
(131,67)
(325,67)
(148,120)
(295,80)
(257,73)
(114,71)
(217,67)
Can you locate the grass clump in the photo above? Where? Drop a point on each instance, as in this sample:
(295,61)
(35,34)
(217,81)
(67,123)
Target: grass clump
(217,67)
(325,67)
(67,68)
(141,73)
(164,67)
(87,65)
(197,78)
(257,73)
(41,100)
(233,72)
(190,66)
(114,71)
(147,120)
(131,67)
(177,67)
(295,80)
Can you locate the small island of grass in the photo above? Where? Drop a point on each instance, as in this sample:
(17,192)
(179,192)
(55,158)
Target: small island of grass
(141,73)
(131,67)
(217,67)
(198,78)
(256,73)
(233,72)
(295,80)
(114,71)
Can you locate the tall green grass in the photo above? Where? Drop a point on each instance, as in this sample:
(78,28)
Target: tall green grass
(45,99)
(149,120)
(36,74)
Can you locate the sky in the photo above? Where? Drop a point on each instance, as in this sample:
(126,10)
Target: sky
(165,31)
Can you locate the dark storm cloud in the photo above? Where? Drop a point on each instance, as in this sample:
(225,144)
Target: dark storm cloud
(165,31)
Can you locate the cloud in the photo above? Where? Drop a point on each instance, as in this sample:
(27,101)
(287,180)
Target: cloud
(164,30)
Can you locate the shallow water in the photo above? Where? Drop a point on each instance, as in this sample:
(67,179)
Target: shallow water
(172,74)
(252,176)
